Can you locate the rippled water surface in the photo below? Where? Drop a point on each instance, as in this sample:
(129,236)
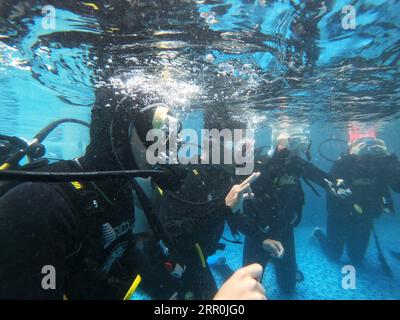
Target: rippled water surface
(265,59)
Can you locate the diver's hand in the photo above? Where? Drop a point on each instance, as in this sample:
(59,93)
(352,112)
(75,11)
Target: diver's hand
(339,189)
(244,284)
(240,192)
(274,247)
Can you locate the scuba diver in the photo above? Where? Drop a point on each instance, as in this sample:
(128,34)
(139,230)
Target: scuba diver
(83,228)
(269,219)
(370,171)
(192,220)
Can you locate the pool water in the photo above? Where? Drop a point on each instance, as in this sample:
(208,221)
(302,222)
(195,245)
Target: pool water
(270,65)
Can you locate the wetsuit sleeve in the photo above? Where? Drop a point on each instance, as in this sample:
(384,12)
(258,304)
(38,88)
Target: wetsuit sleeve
(311,172)
(36,228)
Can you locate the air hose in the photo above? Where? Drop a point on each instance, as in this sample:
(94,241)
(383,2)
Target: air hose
(34,176)
(34,149)
(325,141)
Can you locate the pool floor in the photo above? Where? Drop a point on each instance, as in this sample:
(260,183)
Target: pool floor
(323,278)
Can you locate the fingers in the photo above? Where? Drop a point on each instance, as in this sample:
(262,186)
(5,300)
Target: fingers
(250,179)
(339,182)
(275,249)
(259,292)
(244,284)
(256,289)
(281,250)
(268,246)
(279,246)
(248,196)
(254,271)
(244,188)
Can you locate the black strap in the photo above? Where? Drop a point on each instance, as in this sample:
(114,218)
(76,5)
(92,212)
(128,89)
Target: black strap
(234,232)
(231,241)
(147,206)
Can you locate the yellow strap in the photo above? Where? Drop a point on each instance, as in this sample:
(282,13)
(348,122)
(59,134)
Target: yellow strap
(133,287)
(65,297)
(90,4)
(201,255)
(77,185)
(160,190)
(5,166)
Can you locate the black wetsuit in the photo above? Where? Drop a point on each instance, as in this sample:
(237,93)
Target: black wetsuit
(73,229)
(350,221)
(276,209)
(46,220)
(186,225)
(84,232)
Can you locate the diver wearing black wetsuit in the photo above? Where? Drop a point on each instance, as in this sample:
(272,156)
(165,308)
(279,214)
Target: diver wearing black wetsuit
(82,229)
(193,221)
(276,210)
(197,229)
(370,177)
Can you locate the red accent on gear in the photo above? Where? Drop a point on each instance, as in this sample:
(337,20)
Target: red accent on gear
(168,266)
(356,133)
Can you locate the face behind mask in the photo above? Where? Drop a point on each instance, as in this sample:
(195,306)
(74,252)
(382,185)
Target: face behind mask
(296,143)
(369,147)
(167,127)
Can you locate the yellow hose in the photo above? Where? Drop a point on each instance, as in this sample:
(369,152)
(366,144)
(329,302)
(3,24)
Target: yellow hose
(5,166)
(133,287)
(90,4)
(201,255)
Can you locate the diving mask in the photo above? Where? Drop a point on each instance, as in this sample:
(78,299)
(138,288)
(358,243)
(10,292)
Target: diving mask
(295,143)
(369,146)
(158,130)
(159,117)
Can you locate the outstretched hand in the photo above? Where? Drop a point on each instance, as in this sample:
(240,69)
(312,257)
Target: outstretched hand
(274,247)
(339,189)
(244,284)
(240,192)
